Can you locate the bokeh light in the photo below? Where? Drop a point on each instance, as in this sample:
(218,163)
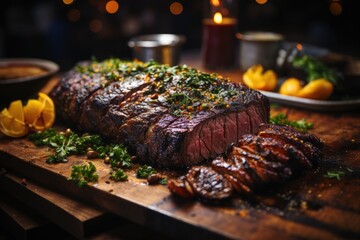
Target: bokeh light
(261,1)
(112,6)
(95,26)
(73,15)
(335,7)
(176,8)
(215,3)
(68,2)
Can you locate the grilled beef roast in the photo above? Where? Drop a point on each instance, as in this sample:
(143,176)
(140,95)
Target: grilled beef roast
(168,116)
(274,155)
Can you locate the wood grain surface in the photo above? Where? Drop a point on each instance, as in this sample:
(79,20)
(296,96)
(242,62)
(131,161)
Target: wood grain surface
(22,223)
(308,207)
(75,217)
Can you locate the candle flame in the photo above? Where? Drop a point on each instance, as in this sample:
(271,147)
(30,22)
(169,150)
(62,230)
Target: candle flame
(215,3)
(218,18)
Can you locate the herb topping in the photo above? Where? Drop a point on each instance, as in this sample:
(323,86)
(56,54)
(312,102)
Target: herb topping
(82,174)
(186,90)
(282,119)
(145,171)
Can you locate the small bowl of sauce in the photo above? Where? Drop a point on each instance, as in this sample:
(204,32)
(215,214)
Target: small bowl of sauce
(21,78)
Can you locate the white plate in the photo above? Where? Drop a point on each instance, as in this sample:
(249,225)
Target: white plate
(318,105)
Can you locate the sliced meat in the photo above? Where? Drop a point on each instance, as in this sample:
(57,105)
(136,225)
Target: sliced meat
(180,187)
(307,137)
(208,184)
(272,156)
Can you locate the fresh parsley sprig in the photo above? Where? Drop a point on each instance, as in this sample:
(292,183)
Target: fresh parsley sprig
(118,175)
(282,119)
(69,143)
(145,171)
(83,174)
(316,69)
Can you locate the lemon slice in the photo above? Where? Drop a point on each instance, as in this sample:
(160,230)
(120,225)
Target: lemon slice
(256,78)
(12,120)
(40,113)
(37,115)
(290,87)
(33,110)
(320,89)
(48,113)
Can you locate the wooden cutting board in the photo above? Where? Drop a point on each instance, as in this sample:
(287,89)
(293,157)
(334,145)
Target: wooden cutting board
(308,207)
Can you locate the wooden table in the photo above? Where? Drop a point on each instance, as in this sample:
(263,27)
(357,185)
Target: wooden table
(311,206)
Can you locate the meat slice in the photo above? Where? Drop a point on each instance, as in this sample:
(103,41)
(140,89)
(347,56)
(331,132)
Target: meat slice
(239,169)
(307,152)
(208,184)
(180,187)
(306,137)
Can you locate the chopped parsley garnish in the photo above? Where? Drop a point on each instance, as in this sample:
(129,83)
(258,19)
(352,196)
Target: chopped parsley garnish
(185,90)
(282,119)
(145,171)
(316,69)
(163,181)
(118,175)
(334,174)
(83,174)
(70,143)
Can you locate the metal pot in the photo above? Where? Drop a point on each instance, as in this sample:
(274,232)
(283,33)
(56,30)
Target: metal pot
(162,48)
(259,48)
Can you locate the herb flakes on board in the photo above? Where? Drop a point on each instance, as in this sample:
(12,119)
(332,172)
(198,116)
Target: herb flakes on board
(83,174)
(69,143)
(145,171)
(282,120)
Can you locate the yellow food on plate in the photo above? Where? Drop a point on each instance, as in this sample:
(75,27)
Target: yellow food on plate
(37,115)
(290,87)
(12,120)
(256,78)
(320,89)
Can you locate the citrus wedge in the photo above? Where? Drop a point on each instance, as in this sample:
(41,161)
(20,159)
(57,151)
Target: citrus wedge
(320,89)
(48,113)
(290,87)
(256,78)
(40,113)
(12,121)
(33,110)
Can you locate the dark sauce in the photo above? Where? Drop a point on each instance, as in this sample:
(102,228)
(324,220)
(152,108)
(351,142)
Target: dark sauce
(14,71)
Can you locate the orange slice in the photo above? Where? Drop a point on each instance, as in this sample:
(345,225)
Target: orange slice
(12,120)
(48,113)
(320,89)
(256,78)
(33,110)
(40,114)
(290,87)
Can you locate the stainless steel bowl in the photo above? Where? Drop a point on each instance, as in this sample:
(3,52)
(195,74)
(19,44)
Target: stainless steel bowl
(259,48)
(162,48)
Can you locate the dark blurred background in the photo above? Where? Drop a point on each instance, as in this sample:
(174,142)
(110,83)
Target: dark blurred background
(67,31)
